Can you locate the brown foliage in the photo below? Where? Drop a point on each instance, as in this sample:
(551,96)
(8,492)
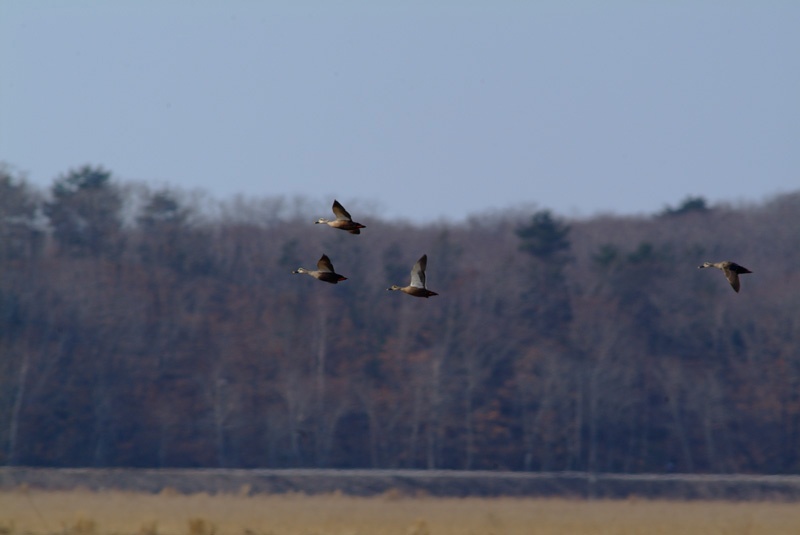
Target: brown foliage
(192,344)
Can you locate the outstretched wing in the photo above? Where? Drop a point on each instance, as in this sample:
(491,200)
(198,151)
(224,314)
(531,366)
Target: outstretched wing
(732,276)
(732,271)
(340,212)
(418,272)
(324,264)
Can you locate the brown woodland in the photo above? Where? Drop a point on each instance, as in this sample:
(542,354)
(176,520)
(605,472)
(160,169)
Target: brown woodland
(158,328)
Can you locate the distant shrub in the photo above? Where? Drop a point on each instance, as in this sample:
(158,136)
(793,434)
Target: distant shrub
(82,526)
(201,526)
(169,491)
(392,494)
(420,527)
(149,528)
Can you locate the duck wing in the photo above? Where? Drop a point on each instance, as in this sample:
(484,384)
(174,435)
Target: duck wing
(732,271)
(418,272)
(732,277)
(340,212)
(324,264)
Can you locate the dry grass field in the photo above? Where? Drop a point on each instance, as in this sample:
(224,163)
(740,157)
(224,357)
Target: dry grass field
(30,512)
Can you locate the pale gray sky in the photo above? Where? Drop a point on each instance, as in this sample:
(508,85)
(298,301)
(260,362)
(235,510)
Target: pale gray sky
(425,111)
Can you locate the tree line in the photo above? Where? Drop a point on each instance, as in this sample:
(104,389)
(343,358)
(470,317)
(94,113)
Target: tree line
(150,327)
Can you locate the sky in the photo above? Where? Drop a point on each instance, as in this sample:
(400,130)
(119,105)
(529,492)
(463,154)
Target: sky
(419,110)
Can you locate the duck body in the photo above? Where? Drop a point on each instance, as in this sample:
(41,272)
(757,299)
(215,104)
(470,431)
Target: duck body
(324,271)
(732,270)
(343,220)
(417,287)
(413,290)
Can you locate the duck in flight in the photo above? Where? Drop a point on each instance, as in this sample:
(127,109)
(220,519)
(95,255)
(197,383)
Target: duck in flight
(732,270)
(417,287)
(343,220)
(324,271)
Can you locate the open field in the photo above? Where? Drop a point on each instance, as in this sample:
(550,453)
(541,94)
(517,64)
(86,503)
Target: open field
(81,512)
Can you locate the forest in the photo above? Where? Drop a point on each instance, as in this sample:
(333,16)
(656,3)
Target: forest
(153,327)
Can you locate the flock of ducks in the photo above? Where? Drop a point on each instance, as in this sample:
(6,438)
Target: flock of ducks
(417,287)
(326,273)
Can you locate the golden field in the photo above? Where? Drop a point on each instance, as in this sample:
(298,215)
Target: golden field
(32,512)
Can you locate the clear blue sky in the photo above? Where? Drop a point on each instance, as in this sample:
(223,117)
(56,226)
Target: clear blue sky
(419,110)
